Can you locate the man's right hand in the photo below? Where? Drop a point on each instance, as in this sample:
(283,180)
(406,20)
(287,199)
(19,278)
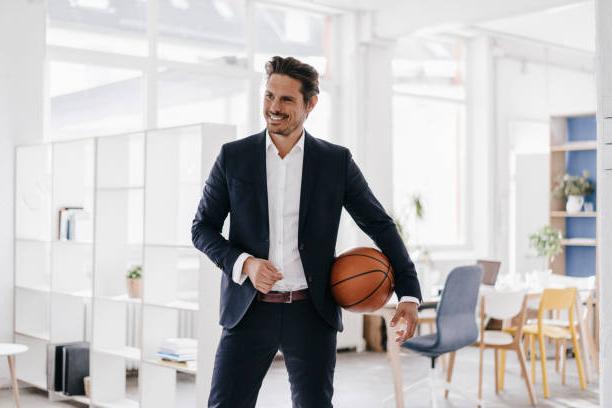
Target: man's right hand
(262,273)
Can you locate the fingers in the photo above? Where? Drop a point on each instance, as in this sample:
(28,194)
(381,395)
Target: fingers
(407,332)
(272,272)
(398,315)
(265,275)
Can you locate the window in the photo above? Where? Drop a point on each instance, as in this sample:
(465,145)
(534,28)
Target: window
(92,100)
(112,26)
(282,31)
(203,31)
(103,80)
(191,97)
(429,129)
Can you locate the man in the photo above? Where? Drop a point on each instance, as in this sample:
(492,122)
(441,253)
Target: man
(284,190)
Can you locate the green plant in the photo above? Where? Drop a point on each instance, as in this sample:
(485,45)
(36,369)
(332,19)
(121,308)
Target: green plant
(546,242)
(568,185)
(412,211)
(135,272)
(417,204)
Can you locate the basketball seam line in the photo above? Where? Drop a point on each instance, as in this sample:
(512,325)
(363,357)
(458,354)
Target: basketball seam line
(367,256)
(369,294)
(360,274)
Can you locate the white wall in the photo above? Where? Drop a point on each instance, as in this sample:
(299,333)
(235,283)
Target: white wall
(529,92)
(604,194)
(22,39)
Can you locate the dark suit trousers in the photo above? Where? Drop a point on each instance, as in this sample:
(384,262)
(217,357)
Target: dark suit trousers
(246,351)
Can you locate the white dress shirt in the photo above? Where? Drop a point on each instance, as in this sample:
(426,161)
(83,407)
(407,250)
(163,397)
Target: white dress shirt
(284,180)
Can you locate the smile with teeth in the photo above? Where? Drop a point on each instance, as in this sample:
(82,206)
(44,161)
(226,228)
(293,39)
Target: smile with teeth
(276,117)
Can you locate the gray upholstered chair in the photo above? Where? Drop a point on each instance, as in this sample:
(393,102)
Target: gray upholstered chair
(455,323)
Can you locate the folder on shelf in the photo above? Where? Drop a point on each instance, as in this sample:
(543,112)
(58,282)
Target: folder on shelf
(67,363)
(76,367)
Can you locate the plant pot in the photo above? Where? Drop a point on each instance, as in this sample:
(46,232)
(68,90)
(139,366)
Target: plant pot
(574,204)
(134,287)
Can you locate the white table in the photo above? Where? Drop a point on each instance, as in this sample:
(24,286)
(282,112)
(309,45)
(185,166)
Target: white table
(10,350)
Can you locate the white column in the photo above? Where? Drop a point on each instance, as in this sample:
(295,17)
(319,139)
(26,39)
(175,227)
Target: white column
(480,145)
(603,11)
(370,134)
(22,50)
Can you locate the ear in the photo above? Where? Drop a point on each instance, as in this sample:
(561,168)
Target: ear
(312,103)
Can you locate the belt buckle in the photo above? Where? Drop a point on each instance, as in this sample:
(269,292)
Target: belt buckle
(290,297)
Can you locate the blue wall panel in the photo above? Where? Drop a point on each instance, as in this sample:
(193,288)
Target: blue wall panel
(581,128)
(580,261)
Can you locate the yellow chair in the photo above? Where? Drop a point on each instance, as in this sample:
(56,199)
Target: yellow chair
(552,300)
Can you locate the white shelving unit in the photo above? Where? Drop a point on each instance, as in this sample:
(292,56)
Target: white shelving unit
(138,193)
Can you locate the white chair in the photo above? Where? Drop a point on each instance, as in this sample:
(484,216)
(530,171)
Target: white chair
(10,350)
(504,306)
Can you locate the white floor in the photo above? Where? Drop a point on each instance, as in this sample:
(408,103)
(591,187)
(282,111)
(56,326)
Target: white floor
(364,380)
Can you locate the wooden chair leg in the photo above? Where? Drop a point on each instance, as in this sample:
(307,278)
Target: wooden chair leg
(579,364)
(532,358)
(502,370)
(496,365)
(543,361)
(563,361)
(11,363)
(557,354)
(526,347)
(480,374)
(521,358)
(449,373)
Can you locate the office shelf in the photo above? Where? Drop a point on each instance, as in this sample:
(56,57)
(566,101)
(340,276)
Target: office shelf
(582,214)
(573,141)
(579,242)
(133,198)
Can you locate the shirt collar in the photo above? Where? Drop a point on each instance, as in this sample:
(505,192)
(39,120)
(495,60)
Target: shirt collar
(300,142)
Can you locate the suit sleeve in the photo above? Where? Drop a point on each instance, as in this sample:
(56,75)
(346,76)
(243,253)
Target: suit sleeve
(210,216)
(371,217)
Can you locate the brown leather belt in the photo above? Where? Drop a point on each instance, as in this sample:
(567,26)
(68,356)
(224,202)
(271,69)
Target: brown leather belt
(283,297)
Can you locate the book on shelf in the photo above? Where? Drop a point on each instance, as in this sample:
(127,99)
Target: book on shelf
(178,349)
(73,224)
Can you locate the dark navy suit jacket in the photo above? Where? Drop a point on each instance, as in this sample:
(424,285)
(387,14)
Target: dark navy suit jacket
(330,180)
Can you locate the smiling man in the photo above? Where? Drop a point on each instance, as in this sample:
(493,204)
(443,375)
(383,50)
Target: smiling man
(284,190)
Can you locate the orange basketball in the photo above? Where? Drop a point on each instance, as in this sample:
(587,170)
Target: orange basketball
(362,280)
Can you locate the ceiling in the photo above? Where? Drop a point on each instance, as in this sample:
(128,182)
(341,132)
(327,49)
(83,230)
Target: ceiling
(565,23)
(571,26)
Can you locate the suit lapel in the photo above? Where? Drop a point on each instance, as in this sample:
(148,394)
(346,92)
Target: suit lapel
(309,176)
(261,179)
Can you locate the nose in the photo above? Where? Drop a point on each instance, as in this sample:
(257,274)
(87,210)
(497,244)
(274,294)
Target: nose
(274,106)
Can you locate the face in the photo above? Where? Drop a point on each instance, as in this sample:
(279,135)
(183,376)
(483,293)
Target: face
(284,108)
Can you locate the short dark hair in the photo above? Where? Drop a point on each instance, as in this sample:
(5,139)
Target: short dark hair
(296,69)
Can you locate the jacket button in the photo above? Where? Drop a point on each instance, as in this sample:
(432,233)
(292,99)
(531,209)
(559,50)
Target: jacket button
(301,247)
(267,241)
(309,279)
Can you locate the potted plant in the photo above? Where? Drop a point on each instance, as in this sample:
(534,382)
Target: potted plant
(134,281)
(573,189)
(547,244)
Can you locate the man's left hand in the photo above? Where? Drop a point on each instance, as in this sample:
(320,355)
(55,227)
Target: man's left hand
(408,311)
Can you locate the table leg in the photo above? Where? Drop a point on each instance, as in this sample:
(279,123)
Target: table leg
(393,354)
(11,363)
